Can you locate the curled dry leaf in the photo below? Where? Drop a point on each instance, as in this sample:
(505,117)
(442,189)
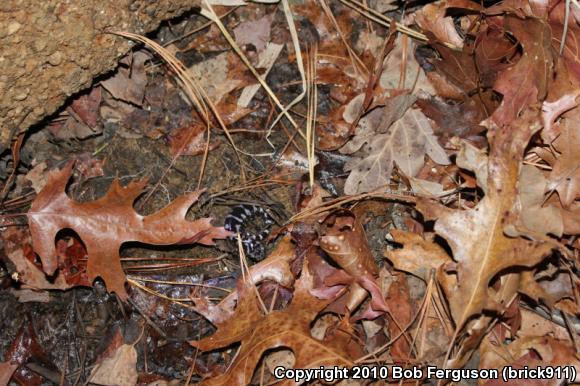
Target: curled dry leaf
(345,242)
(105,224)
(432,17)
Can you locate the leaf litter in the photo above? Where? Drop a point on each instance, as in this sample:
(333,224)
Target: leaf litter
(421,167)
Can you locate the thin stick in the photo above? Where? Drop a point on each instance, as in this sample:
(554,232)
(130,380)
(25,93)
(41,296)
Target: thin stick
(311,92)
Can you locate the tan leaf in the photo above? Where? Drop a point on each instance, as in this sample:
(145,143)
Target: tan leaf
(471,158)
(536,325)
(106,223)
(426,188)
(406,142)
(378,121)
(534,214)
(218,84)
(118,366)
(552,110)
(551,292)
(418,256)
(532,352)
(128,84)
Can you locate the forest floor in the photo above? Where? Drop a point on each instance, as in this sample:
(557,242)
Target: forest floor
(419,165)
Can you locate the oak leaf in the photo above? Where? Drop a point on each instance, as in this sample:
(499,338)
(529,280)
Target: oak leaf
(551,111)
(105,224)
(288,328)
(481,249)
(18,250)
(275,268)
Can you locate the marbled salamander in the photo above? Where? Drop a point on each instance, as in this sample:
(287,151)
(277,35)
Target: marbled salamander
(239,220)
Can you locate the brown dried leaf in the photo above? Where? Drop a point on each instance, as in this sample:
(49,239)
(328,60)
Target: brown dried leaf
(289,328)
(432,17)
(219,83)
(457,68)
(401,71)
(377,121)
(526,82)
(190,140)
(276,268)
(531,352)
(128,84)
(552,110)
(18,250)
(418,256)
(554,288)
(86,107)
(455,119)
(106,223)
(477,239)
(344,240)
